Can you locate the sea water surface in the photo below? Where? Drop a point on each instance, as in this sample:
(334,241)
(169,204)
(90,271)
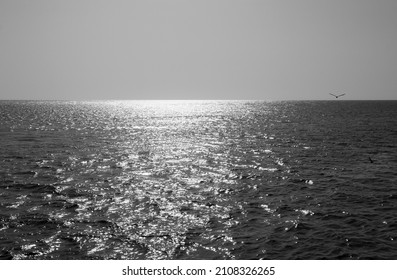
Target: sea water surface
(198,180)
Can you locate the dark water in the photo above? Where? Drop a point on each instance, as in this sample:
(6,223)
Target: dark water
(198,180)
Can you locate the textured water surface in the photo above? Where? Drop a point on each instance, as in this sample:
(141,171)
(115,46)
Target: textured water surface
(198,180)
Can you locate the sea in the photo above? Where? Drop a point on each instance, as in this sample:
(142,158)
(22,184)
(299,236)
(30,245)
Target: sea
(157,180)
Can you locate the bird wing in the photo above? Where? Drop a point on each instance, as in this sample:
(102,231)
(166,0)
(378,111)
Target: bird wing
(333,94)
(342,94)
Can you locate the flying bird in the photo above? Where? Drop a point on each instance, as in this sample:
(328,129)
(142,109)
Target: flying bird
(337,96)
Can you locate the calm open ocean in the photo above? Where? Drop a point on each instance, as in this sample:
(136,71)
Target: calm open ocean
(198,180)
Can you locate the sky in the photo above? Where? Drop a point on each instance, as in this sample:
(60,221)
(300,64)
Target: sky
(198,49)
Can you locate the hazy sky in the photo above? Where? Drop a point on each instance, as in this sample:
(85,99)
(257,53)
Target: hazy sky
(198,49)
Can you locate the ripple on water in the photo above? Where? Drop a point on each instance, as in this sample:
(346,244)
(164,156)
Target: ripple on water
(195,180)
